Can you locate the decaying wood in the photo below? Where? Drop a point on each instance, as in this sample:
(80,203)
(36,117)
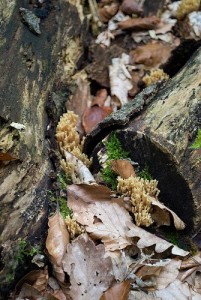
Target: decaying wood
(157,128)
(31,69)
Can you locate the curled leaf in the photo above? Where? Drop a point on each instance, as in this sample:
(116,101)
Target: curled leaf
(57,238)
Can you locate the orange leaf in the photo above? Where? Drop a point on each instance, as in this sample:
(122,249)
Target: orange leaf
(100,98)
(94,115)
(140,23)
(6,156)
(123,168)
(119,291)
(57,238)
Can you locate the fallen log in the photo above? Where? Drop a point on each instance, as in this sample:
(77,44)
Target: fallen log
(34,38)
(158,128)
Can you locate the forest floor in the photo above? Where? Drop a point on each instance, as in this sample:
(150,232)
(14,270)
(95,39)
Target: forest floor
(109,235)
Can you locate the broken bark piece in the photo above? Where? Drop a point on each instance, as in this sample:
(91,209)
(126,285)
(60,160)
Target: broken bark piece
(31,20)
(161,138)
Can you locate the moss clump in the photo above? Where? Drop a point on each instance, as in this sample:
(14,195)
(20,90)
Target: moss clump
(145,173)
(197,142)
(114,150)
(20,252)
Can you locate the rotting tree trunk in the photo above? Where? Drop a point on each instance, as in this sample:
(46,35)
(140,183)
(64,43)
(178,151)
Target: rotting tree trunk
(31,67)
(158,128)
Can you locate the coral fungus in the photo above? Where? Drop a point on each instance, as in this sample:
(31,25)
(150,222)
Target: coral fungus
(155,76)
(68,137)
(139,190)
(73,227)
(186,7)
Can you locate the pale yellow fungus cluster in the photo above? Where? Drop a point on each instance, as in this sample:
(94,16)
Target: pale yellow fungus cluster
(186,7)
(68,137)
(155,76)
(73,227)
(139,190)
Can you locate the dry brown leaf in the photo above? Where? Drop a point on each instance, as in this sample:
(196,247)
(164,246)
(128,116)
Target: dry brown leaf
(57,238)
(141,295)
(116,232)
(164,273)
(89,192)
(107,12)
(177,291)
(94,115)
(130,7)
(29,292)
(162,215)
(79,101)
(147,239)
(190,272)
(111,228)
(140,23)
(123,168)
(59,273)
(119,291)
(6,156)
(90,272)
(151,55)
(100,98)
(120,78)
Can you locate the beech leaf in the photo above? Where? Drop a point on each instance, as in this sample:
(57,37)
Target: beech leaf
(123,168)
(89,270)
(89,192)
(119,291)
(147,239)
(93,116)
(111,228)
(161,215)
(57,238)
(6,156)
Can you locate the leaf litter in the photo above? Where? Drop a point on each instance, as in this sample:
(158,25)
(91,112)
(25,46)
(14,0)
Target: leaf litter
(112,257)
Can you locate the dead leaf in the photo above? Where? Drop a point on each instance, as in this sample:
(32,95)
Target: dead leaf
(112,229)
(100,98)
(147,239)
(90,272)
(120,78)
(6,156)
(107,12)
(57,238)
(93,116)
(123,168)
(162,215)
(116,232)
(79,101)
(82,173)
(151,55)
(37,279)
(140,23)
(29,292)
(164,274)
(89,192)
(177,291)
(141,295)
(130,7)
(119,291)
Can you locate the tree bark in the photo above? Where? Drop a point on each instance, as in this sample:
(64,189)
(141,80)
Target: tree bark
(30,83)
(157,128)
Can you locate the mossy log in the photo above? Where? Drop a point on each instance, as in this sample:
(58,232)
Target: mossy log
(31,66)
(158,128)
